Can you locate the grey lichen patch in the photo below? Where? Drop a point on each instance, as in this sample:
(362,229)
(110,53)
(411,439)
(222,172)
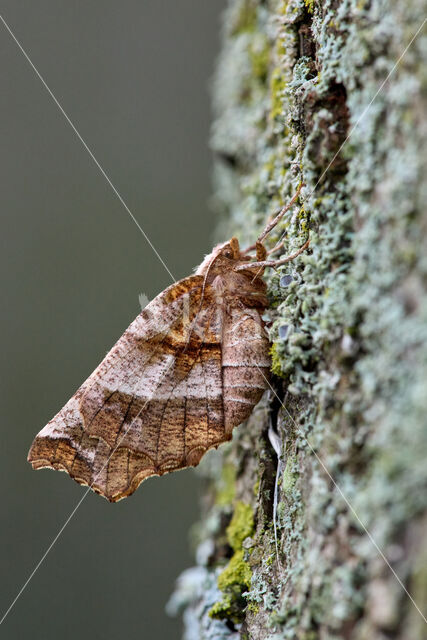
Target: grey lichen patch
(292,82)
(290,475)
(195,593)
(242,17)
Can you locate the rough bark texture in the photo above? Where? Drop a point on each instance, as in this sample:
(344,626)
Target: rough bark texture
(349,332)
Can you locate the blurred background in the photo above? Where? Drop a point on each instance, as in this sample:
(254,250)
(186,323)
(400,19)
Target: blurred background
(133,77)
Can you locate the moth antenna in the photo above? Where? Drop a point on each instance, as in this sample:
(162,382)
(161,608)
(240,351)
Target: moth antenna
(281,213)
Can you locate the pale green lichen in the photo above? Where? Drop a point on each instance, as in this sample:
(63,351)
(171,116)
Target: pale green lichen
(353,362)
(259,53)
(290,475)
(277,92)
(244,17)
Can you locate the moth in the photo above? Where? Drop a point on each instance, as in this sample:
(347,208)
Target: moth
(190,368)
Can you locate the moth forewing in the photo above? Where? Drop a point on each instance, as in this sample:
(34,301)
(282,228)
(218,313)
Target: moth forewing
(189,369)
(175,385)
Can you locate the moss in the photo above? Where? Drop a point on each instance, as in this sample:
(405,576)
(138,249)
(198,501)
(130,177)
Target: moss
(310,5)
(241,525)
(226,486)
(235,578)
(236,574)
(222,610)
(233,581)
(253,608)
(276,360)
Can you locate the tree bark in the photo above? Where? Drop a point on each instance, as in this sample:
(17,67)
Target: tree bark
(301,93)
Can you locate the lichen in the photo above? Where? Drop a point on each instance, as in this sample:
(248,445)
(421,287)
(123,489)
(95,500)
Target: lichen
(244,17)
(259,52)
(290,476)
(277,92)
(348,330)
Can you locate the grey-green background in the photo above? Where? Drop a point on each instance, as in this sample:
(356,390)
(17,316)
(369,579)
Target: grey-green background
(133,76)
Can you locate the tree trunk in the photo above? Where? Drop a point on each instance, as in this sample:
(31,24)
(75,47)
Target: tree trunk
(300,94)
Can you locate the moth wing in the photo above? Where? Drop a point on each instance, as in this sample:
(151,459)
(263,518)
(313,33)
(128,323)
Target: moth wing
(107,435)
(183,374)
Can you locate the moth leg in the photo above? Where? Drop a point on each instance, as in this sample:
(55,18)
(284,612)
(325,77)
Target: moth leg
(270,226)
(276,263)
(280,214)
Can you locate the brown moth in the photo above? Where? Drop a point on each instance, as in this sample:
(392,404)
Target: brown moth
(189,369)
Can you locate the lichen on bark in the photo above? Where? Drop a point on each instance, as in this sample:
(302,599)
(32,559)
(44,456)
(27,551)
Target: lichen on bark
(348,326)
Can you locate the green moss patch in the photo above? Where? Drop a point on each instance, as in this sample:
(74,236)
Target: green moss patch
(235,579)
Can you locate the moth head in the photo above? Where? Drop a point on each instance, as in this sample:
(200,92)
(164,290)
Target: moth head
(227,257)
(223,258)
(231,250)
